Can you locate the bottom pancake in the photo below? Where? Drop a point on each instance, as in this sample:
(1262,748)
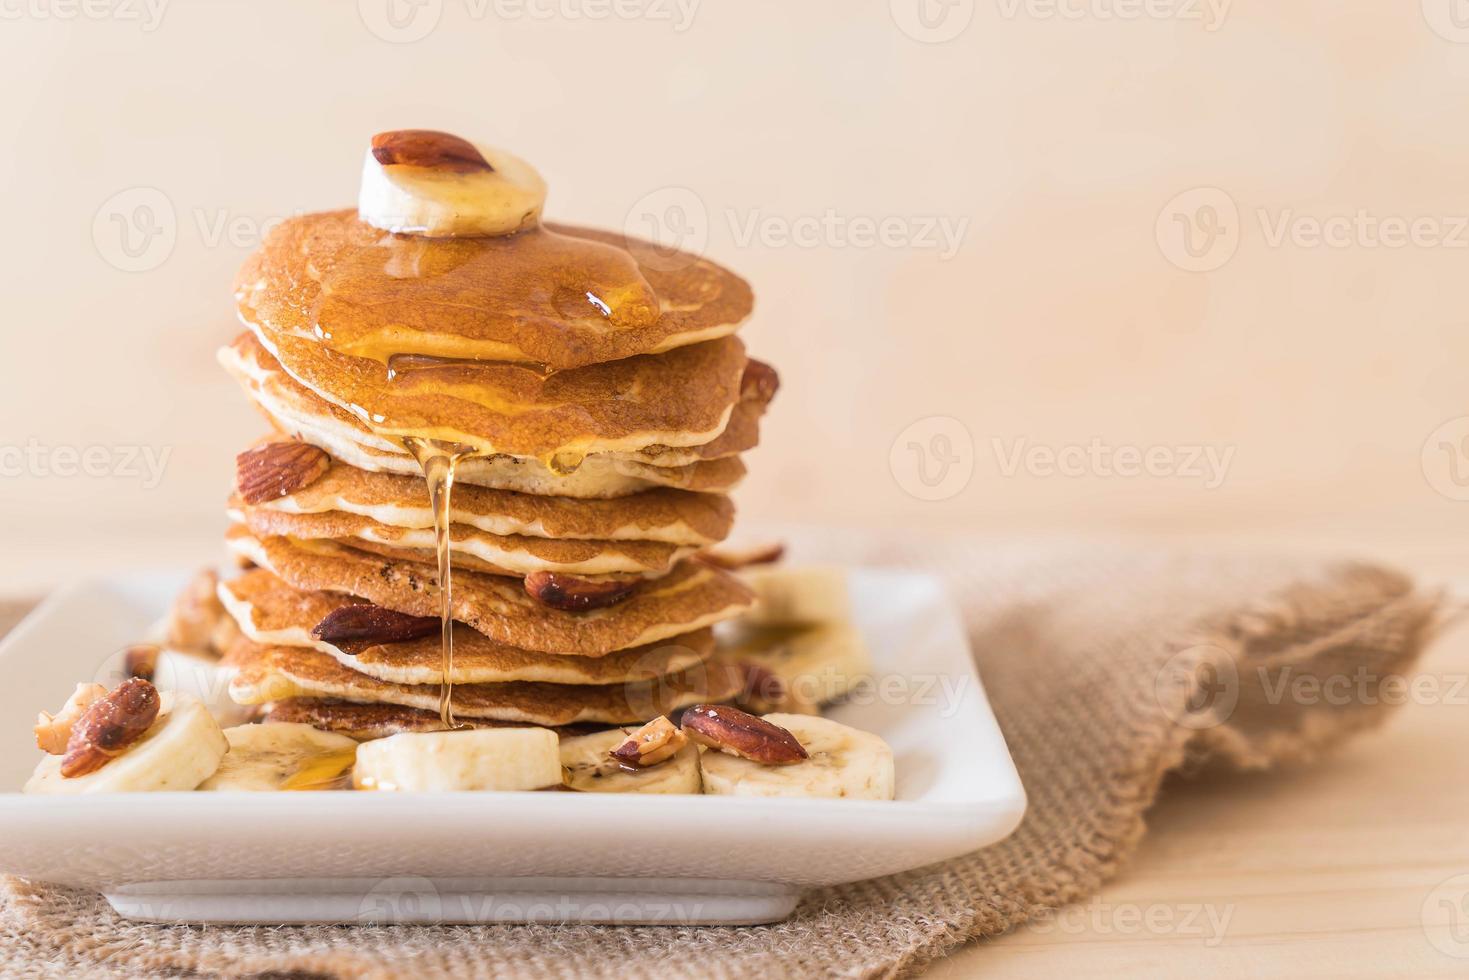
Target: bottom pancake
(273,673)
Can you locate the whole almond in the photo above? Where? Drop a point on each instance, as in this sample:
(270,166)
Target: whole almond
(367,623)
(571,593)
(109,726)
(736,732)
(278,469)
(428,148)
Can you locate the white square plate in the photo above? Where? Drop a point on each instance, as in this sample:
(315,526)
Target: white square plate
(478,857)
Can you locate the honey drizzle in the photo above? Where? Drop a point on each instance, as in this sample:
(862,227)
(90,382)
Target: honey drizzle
(438,460)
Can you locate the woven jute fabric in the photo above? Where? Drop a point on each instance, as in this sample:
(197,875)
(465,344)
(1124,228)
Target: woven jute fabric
(1107,668)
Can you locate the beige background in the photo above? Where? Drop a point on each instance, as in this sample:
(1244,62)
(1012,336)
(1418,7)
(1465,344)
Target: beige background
(1054,140)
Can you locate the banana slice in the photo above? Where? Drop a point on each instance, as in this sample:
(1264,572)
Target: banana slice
(283,756)
(480,759)
(591,769)
(814,665)
(183,748)
(800,596)
(844,762)
(434,184)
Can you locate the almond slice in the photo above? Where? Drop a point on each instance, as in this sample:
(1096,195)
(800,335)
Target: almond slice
(278,469)
(735,732)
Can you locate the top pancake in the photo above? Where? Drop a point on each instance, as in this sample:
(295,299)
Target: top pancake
(557,295)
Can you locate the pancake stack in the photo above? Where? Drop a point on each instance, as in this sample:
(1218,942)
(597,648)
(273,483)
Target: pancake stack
(558,412)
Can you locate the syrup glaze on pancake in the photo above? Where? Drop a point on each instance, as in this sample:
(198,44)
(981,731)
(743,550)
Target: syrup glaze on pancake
(272,613)
(682,398)
(498,554)
(691,597)
(670,516)
(274,673)
(558,296)
(294,408)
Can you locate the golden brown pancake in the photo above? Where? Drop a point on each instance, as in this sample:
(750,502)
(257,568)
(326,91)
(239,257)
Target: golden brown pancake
(298,412)
(681,398)
(691,597)
(270,612)
(366,722)
(279,395)
(270,673)
(558,295)
(671,516)
(497,554)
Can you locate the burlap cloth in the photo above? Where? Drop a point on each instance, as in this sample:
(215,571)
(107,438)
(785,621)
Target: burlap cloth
(1107,668)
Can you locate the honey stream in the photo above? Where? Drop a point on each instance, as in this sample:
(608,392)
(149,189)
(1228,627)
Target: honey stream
(438,460)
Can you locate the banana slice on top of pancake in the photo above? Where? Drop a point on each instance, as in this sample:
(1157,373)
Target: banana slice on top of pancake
(425,182)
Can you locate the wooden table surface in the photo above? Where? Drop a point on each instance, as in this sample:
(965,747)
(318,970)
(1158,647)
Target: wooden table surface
(1357,866)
